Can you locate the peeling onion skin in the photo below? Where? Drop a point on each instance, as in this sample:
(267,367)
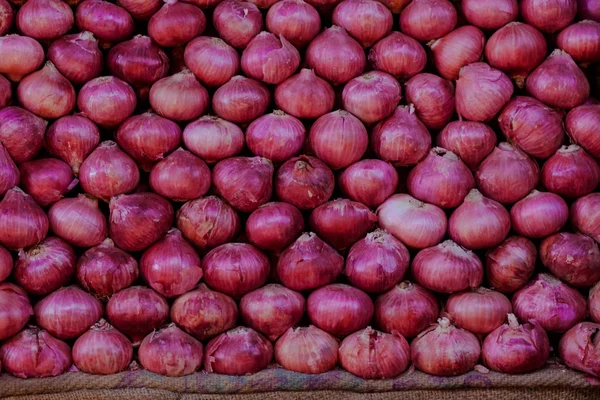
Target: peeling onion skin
(471,141)
(571,172)
(510,265)
(399,55)
(585,215)
(433,98)
(304,182)
(490,14)
(369,181)
(296,20)
(15,310)
(549,16)
(457,49)
(307,350)
(479,311)
(427,20)
(572,257)
(581,124)
(539,214)
(579,348)
(580,40)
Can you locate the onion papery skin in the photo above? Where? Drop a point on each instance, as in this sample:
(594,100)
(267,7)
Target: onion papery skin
(572,257)
(9,173)
(372,96)
(510,265)
(555,305)
(212,61)
(176,23)
(433,99)
(479,311)
(578,348)
(340,309)
(427,20)
(241,100)
(23,223)
(107,21)
(304,182)
(457,49)
(307,350)
(45,19)
(5,92)
(105,269)
(580,40)
(269,58)
(77,57)
(34,353)
(140,9)
(471,141)
(549,16)
(21,133)
(594,303)
(445,350)
(15,311)
(401,139)
(305,95)
(371,354)
(7,16)
(558,82)
(170,351)
(204,313)
(46,267)
(366,21)
(588,9)
(272,310)
(79,221)
(179,97)
(240,351)
(237,22)
(571,172)
(274,226)
(72,138)
(296,20)
(108,101)
(6,264)
(28,56)
(490,14)
(399,55)
(538,215)
(441,179)
(68,312)
(102,350)
(213,139)
(369,182)
(47,180)
(276,136)
(514,348)
(581,123)
(585,215)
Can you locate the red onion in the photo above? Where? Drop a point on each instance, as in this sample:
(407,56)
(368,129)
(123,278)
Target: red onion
(426,20)
(72,139)
(108,172)
(176,23)
(539,215)
(307,350)
(34,353)
(559,82)
(572,257)
(204,313)
(5,91)
(212,60)
(581,40)
(102,350)
(513,348)
(549,15)
(9,173)
(170,352)
(107,21)
(367,21)
(335,56)
(536,128)
(237,22)
(264,4)
(68,312)
(26,56)
(555,305)
(270,59)
(490,14)
(457,49)
(274,226)
(179,97)
(46,180)
(6,264)
(479,311)
(297,21)
(213,139)
(324,5)
(45,19)
(23,223)
(240,351)
(510,265)
(372,96)
(433,99)
(441,179)
(137,311)
(141,9)
(594,303)
(398,55)
(406,309)
(401,139)
(588,9)
(272,310)
(395,6)
(579,348)
(77,57)
(305,182)
(208,222)
(7,16)
(79,221)
(241,100)
(305,95)
(15,311)
(369,182)
(585,215)
(516,49)
(276,136)
(106,269)
(581,123)
(340,309)
(107,101)
(571,172)
(445,350)
(471,141)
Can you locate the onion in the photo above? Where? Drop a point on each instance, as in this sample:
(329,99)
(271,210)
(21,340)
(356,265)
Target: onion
(433,99)
(549,16)
(46,179)
(441,179)
(579,348)
(68,312)
(572,257)
(580,40)
(398,55)
(72,139)
(585,215)
(401,139)
(276,136)
(588,9)
(457,49)
(204,313)
(490,14)
(371,96)
(108,172)
(79,221)
(307,350)
(102,350)
(426,20)
(471,141)
(241,100)
(539,215)
(141,9)
(445,350)
(240,351)
(340,309)
(176,23)
(47,93)
(571,172)
(335,56)
(107,21)
(5,92)
(369,182)
(516,49)
(34,353)
(15,311)
(555,305)
(395,6)
(558,82)
(581,123)
(274,226)
(9,173)
(208,222)
(77,57)
(510,265)
(237,22)
(366,21)
(23,223)
(26,56)
(7,16)
(270,59)
(6,264)
(305,182)
(106,269)
(479,311)
(594,303)
(305,95)
(536,128)
(324,6)
(272,310)
(107,101)
(45,19)
(513,348)
(297,21)
(212,60)
(171,352)
(213,139)
(179,97)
